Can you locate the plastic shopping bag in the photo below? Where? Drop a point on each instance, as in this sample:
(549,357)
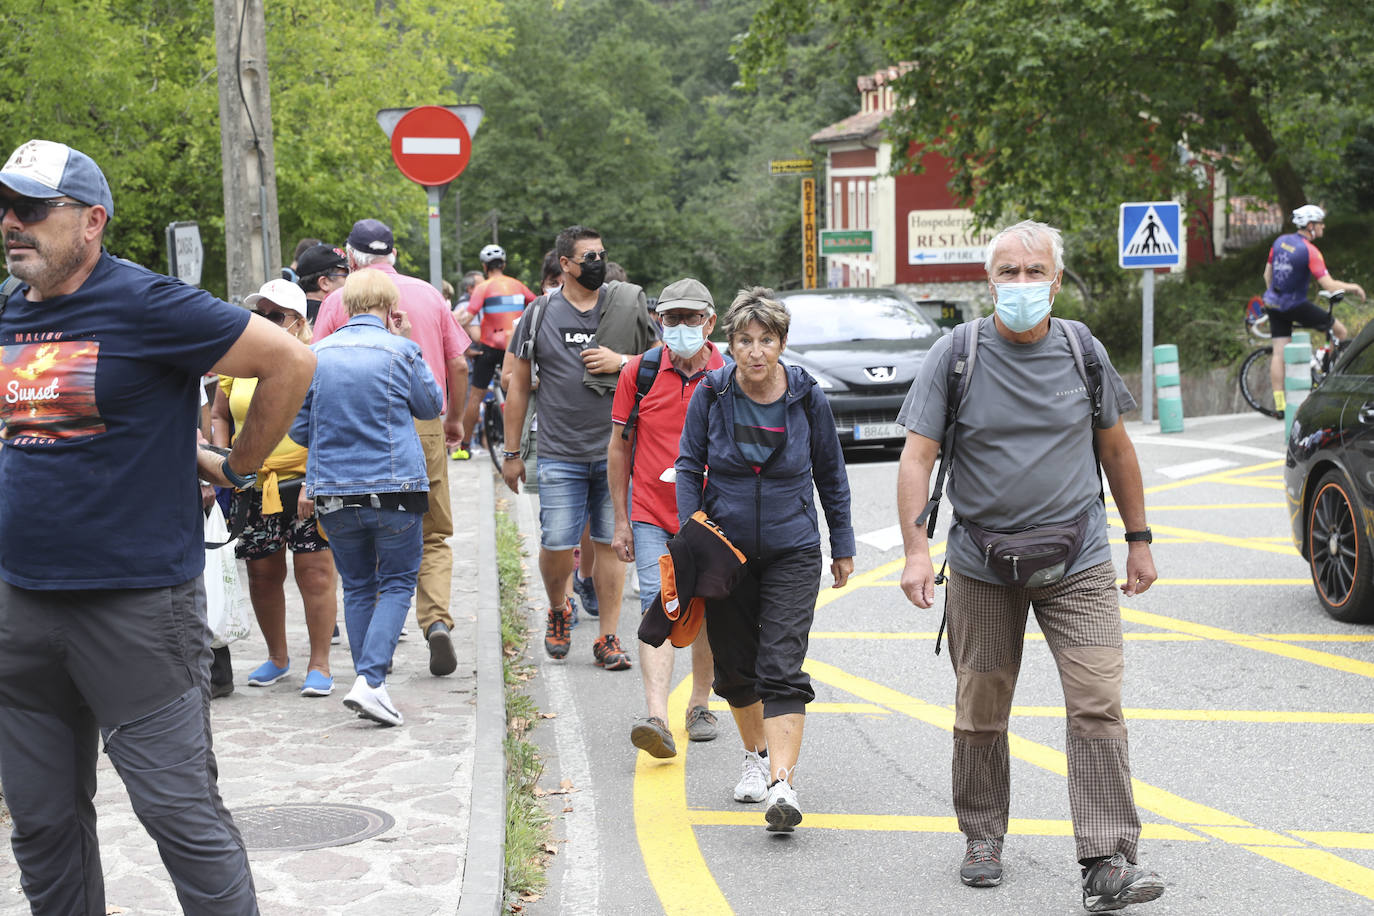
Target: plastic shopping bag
(226,610)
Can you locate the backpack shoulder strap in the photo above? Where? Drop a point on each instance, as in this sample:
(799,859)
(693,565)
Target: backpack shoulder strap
(535,316)
(649,365)
(963,353)
(8,286)
(1090,369)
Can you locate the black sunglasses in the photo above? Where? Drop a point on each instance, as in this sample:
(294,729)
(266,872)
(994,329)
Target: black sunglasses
(590,257)
(34,211)
(274,317)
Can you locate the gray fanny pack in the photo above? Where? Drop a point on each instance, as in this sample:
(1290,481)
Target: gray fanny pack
(1032,557)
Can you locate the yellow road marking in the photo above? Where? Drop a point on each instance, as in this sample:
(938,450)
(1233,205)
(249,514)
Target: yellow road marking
(1246,543)
(1319,637)
(1339,839)
(1258,643)
(672,858)
(915,823)
(1262,716)
(1314,862)
(1225,476)
(1205,506)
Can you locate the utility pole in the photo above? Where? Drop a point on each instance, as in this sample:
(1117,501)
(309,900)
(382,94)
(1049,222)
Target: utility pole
(251,235)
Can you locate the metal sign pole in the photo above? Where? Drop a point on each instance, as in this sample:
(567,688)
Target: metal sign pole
(436,272)
(1147,347)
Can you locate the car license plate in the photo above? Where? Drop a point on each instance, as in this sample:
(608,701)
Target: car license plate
(879,431)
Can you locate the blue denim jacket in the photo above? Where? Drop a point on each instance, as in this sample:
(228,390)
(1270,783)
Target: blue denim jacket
(357,416)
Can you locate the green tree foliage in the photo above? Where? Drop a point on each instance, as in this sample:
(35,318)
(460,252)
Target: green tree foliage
(133,84)
(1053,108)
(625,115)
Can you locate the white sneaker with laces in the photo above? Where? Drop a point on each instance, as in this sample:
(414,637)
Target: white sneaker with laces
(753,781)
(373,703)
(783,812)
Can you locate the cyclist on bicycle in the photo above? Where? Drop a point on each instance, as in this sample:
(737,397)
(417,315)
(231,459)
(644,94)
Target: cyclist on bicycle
(1293,262)
(492,309)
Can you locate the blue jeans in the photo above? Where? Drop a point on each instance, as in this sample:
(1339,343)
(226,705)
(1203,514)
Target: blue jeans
(571,493)
(377,554)
(651,542)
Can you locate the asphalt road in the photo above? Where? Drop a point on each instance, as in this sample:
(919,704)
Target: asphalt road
(1249,712)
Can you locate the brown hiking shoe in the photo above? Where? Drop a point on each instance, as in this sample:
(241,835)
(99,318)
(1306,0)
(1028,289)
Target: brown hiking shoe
(609,654)
(556,639)
(982,865)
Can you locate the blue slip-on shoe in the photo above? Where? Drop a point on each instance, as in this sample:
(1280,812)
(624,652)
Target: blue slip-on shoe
(317,684)
(572,610)
(268,674)
(586,590)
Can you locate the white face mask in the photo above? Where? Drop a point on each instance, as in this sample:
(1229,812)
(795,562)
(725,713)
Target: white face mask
(1022,306)
(683,340)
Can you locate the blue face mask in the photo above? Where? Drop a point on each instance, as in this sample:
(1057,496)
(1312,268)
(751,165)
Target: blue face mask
(1022,306)
(684,341)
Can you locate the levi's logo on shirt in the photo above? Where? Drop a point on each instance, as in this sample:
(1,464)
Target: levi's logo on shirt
(47,391)
(578,339)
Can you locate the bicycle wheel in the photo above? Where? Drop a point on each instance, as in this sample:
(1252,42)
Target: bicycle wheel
(494,427)
(1255,385)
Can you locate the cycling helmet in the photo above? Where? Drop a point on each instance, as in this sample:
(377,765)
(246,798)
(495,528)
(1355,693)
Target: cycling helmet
(491,253)
(1308,213)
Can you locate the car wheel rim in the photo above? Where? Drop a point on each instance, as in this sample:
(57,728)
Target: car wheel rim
(1334,545)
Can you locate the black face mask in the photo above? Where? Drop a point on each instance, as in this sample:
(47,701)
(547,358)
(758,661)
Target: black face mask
(593,274)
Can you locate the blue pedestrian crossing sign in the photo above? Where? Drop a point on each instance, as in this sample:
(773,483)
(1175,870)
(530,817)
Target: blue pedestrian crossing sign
(1148,234)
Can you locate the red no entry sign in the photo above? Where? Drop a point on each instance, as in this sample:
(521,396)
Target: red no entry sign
(431,145)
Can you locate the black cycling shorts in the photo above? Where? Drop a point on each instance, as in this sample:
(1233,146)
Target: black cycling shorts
(485,364)
(1307,315)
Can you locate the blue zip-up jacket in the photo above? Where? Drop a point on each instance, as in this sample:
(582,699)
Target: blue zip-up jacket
(770,512)
(357,416)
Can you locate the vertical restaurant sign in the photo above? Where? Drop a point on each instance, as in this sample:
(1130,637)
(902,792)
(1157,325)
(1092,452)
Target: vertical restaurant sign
(809,233)
(944,237)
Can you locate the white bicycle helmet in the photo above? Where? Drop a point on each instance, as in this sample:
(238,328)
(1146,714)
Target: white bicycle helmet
(1308,213)
(491,253)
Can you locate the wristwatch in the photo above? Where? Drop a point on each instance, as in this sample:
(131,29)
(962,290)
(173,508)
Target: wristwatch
(624,361)
(1142,535)
(240,482)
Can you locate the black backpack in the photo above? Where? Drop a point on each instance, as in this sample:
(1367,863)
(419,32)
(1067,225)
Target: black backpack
(644,380)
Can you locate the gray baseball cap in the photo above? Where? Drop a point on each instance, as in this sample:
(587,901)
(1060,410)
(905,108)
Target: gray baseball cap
(44,169)
(685,294)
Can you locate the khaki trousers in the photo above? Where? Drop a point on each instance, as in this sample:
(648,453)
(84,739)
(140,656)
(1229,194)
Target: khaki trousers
(435,582)
(1082,625)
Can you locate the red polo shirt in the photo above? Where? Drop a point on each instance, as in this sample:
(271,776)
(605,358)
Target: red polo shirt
(657,432)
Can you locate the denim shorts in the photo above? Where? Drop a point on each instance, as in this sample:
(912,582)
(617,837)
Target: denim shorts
(651,542)
(572,493)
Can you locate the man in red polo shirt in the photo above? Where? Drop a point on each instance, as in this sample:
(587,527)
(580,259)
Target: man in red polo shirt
(687,316)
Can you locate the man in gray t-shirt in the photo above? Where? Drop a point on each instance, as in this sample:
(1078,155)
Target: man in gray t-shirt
(1023,457)
(575,341)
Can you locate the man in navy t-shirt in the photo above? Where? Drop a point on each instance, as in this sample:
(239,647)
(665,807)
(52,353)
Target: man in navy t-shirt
(103,639)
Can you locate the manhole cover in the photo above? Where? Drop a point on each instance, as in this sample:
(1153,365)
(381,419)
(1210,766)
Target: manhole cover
(309,826)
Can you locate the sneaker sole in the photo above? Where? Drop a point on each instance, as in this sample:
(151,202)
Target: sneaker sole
(615,663)
(647,738)
(255,682)
(782,817)
(316,691)
(366,713)
(1143,891)
(442,659)
(981,881)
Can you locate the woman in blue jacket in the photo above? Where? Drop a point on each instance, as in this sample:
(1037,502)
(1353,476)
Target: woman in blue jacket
(366,473)
(767,435)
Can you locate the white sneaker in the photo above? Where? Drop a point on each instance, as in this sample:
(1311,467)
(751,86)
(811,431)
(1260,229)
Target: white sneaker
(372,703)
(753,781)
(783,812)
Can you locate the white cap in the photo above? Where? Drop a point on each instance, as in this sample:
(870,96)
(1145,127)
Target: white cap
(281,293)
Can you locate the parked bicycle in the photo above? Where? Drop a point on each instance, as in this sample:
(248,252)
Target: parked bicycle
(1255,383)
(493,420)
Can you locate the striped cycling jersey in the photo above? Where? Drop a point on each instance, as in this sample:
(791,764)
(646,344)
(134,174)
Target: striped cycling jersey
(500,301)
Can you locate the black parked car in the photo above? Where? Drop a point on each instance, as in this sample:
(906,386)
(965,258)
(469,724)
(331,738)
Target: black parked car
(863,347)
(1329,479)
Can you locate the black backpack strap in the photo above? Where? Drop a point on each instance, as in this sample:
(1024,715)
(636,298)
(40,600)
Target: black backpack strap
(649,365)
(8,286)
(1090,370)
(963,354)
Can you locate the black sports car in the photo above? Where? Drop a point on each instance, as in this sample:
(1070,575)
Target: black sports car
(863,347)
(1329,479)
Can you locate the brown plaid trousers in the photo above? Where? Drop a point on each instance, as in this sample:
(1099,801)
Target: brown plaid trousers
(1082,625)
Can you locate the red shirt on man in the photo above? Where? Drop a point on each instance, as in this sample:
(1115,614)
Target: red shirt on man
(656,434)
